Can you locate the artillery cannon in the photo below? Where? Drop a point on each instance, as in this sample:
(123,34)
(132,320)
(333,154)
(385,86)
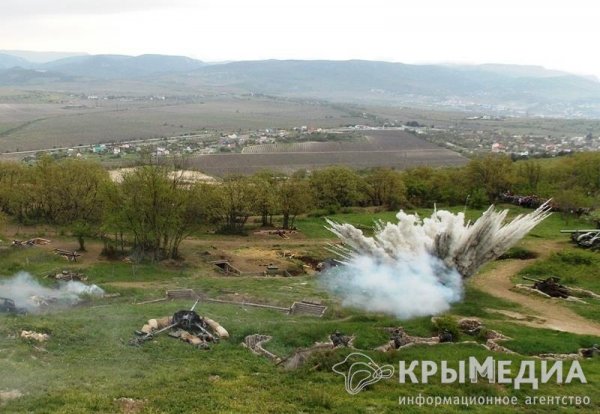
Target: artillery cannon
(588,239)
(339,339)
(8,306)
(183,320)
(550,286)
(190,321)
(590,352)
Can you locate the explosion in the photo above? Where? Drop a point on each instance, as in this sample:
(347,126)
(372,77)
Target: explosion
(416,266)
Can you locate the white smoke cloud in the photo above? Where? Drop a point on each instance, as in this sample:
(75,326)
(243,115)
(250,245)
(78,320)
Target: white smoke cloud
(28,293)
(415,267)
(413,286)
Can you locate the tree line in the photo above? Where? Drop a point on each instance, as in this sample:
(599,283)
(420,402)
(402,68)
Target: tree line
(152,209)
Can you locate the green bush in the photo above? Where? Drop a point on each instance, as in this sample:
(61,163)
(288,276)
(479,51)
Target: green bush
(448,323)
(519,253)
(575,258)
(318,213)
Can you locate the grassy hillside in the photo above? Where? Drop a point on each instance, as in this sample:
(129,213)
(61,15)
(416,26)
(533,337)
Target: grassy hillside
(87,365)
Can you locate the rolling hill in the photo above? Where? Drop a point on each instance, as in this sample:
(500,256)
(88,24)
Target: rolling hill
(122,67)
(10,61)
(510,89)
(396,82)
(18,76)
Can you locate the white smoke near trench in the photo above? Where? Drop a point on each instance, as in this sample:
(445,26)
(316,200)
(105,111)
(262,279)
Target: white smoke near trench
(415,267)
(28,293)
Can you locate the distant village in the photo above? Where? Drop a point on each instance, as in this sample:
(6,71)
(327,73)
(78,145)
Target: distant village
(467,142)
(199,143)
(205,142)
(474,142)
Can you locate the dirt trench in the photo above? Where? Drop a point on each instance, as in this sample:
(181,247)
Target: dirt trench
(538,312)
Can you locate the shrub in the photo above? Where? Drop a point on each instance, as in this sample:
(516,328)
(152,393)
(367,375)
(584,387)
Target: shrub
(448,323)
(575,258)
(519,253)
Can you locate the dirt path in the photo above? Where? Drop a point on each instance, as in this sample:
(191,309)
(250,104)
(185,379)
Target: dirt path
(540,312)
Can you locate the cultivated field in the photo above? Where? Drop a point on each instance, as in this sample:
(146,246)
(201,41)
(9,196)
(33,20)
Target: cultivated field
(389,148)
(458,121)
(44,117)
(81,122)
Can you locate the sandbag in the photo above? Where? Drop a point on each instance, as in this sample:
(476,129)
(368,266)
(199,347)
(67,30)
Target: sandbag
(192,339)
(164,322)
(217,328)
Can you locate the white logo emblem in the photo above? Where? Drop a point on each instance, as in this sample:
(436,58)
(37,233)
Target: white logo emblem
(362,372)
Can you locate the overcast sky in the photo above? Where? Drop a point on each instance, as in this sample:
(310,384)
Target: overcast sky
(553,33)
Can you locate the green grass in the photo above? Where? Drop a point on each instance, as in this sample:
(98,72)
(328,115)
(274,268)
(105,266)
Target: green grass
(87,363)
(551,227)
(114,271)
(576,268)
(314,226)
(536,341)
(519,253)
(475,302)
(31,259)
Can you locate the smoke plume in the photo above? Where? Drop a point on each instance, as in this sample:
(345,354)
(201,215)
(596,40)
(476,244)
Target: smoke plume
(415,267)
(29,294)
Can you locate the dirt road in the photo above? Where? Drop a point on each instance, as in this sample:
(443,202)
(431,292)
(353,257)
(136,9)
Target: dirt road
(540,312)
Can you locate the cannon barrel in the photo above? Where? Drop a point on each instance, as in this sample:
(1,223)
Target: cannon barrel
(532,279)
(205,332)
(148,336)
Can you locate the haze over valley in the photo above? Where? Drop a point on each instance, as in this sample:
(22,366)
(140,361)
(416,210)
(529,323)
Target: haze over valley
(499,89)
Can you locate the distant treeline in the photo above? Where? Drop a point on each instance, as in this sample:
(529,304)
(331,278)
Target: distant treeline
(151,211)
